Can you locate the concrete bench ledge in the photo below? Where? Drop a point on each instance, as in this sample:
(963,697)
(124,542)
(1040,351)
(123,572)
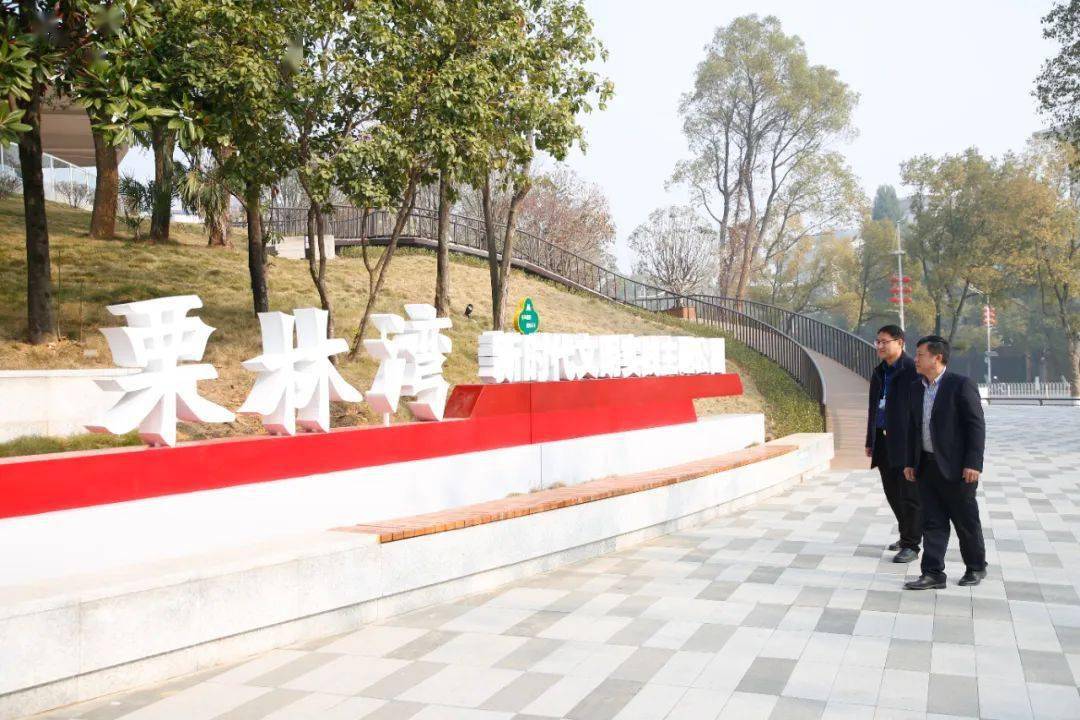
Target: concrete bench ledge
(557,498)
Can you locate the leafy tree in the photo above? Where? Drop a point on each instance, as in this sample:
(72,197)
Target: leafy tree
(675,249)
(807,278)
(972,216)
(758,116)
(1058,92)
(44,48)
(1051,249)
(866,272)
(230,87)
(545,85)
(887,205)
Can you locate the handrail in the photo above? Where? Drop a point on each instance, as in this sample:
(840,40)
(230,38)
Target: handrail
(848,349)
(350,226)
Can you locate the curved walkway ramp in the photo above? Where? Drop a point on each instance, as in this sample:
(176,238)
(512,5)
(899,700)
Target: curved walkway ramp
(845,414)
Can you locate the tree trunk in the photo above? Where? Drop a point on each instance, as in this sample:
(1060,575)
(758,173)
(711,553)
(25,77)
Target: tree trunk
(507,256)
(377,276)
(163,141)
(218,231)
(260,294)
(442,260)
(39,310)
(316,230)
(106,188)
(1073,343)
(492,246)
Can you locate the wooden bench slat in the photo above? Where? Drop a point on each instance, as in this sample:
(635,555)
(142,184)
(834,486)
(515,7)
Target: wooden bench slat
(557,498)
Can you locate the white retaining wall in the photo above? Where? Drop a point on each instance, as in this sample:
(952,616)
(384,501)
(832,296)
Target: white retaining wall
(81,637)
(52,402)
(40,547)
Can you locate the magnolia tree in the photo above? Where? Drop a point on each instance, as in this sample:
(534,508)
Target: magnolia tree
(60,48)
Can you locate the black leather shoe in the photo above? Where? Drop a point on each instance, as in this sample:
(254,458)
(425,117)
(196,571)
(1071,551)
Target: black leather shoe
(972,577)
(906,555)
(895,546)
(926,582)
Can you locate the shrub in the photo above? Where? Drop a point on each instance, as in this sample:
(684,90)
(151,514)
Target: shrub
(77,194)
(10,184)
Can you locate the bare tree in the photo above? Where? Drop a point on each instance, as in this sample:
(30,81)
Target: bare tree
(675,248)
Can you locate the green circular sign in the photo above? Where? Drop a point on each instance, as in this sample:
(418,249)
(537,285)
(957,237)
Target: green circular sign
(527,320)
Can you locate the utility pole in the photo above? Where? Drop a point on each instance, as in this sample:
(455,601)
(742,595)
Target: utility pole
(899,284)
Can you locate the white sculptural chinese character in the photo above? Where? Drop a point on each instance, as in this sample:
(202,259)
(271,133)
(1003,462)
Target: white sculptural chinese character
(158,337)
(411,354)
(296,384)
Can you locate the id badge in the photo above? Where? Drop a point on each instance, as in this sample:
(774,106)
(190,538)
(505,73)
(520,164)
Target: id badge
(881,404)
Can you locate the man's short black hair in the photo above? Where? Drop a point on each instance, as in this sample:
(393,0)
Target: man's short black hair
(893,331)
(935,345)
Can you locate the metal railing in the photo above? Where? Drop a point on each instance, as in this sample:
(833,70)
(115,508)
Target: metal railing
(1027,389)
(350,226)
(64,182)
(844,347)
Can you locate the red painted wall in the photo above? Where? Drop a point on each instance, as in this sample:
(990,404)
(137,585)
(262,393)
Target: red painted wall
(479,417)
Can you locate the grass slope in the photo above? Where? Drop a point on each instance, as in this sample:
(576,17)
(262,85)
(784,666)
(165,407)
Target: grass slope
(91,274)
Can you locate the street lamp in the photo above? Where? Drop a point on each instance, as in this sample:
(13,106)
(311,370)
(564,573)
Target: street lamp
(989,319)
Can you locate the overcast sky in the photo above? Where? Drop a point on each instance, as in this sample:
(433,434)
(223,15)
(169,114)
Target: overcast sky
(933,77)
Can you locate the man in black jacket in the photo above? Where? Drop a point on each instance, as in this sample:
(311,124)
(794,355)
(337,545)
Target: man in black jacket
(886,437)
(946,439)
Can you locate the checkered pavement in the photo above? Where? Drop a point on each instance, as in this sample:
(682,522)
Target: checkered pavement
(788,610)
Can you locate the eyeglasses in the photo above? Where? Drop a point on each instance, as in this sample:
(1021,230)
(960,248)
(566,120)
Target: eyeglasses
(883,343)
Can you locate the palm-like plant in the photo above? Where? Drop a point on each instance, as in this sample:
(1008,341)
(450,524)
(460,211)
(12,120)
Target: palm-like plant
(205,193)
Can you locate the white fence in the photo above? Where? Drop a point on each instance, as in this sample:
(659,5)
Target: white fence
(64,182)
(1027,389)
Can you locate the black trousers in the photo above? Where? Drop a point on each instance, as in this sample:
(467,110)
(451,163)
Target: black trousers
(945,501)
(903,496)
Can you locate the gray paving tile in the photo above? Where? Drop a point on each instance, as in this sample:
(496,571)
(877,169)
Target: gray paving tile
(519,693)
(260,707)
(402,680)
(838,620)
(605,701)
(949,629)
(710,638)
(395,710)
(637,632)
(765,615)
(527,655)
(953,695)
(422,645)
(633,606)
(908,655)
(812,596)
(766,676)
(293,669)
(643,664)
(1049,668)
(720,590)
(535,624)
(788,708)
